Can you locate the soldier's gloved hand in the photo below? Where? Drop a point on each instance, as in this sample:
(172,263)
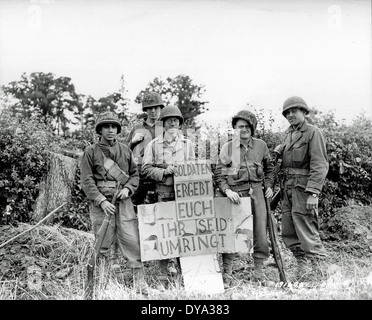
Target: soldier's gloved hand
(233,196)
(269,192)
(108,207)
(138,137)
(170,170)
(124,193)
(279,149)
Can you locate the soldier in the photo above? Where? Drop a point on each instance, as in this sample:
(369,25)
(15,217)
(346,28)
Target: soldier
(304,166)
(161,157)
(243,167)
(104,166)
(137,140)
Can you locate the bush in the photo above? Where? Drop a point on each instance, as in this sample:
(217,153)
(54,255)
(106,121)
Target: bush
(24,161)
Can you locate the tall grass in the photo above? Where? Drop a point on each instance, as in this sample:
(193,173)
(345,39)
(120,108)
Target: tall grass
(61,255)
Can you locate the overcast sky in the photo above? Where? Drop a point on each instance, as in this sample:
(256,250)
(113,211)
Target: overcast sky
(257,52)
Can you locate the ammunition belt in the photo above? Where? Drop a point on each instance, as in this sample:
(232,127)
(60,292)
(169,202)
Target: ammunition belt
(295,171)
(245,186)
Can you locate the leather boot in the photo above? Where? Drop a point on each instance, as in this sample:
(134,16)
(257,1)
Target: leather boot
(139,282)
(227,263)
(258,274)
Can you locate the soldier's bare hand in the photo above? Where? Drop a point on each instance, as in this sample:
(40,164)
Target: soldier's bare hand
(269,192)
(138,137)
(124,193)
(107,207)
(169,170)
(279,149)
(233,196)
(311,203)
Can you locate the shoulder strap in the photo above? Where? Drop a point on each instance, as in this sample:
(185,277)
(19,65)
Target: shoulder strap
(113,169)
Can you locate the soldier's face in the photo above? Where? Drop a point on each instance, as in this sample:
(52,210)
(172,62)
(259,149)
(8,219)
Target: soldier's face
(153,113)
(243,129)
(171,125)
(109,131)
(295,116)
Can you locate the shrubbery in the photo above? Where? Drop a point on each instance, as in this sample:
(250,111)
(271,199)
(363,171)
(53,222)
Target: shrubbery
(24,161)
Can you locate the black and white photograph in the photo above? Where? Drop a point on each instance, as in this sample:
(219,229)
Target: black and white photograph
(185,155)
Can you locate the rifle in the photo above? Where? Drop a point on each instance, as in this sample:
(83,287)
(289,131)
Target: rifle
(275,200)
(89,286)
(274,241)
(277,196)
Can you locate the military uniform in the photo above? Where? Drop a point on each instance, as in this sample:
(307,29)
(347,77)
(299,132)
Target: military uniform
(245,170)
(99,185)
(159,154)
(146,186)
(304,167)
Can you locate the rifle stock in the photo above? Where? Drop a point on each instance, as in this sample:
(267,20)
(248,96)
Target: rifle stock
(89,286)
(274,242)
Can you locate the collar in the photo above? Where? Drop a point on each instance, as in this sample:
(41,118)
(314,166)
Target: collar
(236,142)
(148,125)
(105,144)
(301,127)
(179,137)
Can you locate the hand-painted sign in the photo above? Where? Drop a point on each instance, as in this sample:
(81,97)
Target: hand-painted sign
(196,223)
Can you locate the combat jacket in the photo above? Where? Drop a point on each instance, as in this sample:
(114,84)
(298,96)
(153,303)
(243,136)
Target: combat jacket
(240,166)
(305,148)
(92,169)
(139,147)
(159,154)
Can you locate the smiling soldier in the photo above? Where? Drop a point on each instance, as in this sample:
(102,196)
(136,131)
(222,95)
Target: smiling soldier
(159,164)
(304,166)
(244,165)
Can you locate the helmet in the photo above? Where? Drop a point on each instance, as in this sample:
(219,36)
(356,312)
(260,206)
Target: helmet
(247,116)
(171,111)
(295,102)
(151,99)
(107,117)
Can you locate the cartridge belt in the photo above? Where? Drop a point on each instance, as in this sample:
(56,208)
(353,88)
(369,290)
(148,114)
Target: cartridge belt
(295,171)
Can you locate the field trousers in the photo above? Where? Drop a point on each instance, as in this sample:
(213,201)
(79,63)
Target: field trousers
(259,212)
(300,229)
(165,194)
(124,229)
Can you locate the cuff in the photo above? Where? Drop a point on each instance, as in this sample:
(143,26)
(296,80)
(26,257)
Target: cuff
(312,190)
(99,199)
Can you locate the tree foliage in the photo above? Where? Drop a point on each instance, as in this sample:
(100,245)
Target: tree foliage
(46,97)
(180,91)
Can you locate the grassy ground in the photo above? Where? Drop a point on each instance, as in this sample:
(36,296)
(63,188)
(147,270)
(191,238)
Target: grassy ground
(50,263)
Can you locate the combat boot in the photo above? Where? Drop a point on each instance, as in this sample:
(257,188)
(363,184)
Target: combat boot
(258,274)
(139,282)
(227,263)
